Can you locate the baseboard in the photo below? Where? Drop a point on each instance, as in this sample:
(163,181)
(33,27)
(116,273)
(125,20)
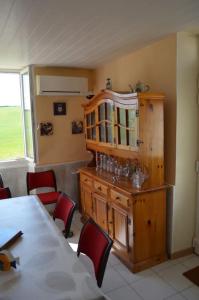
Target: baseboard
(181,253)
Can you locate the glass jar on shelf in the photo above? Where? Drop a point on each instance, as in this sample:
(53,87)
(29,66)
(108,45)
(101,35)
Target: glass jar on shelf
(138,178)
(111,166)
(101,161)
(115,166)
(119,171)
(104,162)
(97,161)
(108,164)
(126,169)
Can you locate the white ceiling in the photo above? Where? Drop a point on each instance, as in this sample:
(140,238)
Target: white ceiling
(86,33)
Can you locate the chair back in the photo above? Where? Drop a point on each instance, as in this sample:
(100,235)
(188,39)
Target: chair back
(1,182)
(40,179)
(5,193)
(96,244)
(64,210)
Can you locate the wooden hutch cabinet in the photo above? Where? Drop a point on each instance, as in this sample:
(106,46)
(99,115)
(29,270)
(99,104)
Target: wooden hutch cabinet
(128,127)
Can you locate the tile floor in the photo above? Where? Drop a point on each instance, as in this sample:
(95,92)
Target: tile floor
(164,281)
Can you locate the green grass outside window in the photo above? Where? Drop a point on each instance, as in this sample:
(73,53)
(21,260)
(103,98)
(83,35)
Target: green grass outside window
(11,133)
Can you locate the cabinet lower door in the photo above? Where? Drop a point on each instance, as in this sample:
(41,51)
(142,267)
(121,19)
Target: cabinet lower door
(101,211)
(150,230)
(118,227)
(87,201)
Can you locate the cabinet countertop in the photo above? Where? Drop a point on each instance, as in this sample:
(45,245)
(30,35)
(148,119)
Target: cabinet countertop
(123,184)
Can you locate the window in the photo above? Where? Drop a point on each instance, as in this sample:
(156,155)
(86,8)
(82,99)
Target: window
(15,116)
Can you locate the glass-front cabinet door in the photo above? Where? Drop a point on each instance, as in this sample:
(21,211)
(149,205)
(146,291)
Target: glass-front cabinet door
(90,125)
(127,126)
(106,122)
(113,124)
(132,127)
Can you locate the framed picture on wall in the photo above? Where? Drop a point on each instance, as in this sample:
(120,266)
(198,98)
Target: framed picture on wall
(46,128)
(59,108)
(77,127)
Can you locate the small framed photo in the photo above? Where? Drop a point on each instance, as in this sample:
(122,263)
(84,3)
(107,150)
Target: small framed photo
(46,128)
(59,108)
(77,127)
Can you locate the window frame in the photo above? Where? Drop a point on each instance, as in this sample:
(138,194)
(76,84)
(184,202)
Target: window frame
(28,70)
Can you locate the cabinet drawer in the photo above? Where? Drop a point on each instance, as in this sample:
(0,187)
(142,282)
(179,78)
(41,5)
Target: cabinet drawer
(102,188)
(120,198)
(86,179)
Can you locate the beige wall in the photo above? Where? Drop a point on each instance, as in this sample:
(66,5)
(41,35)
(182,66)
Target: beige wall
(170,66)
(62,146)
(184,206)
(156,66)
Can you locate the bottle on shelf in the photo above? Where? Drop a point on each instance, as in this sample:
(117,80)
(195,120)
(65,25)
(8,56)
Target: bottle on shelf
(101,161)
(104,162)
(111,166)
(108,164)
(97,160)
(108,84)
(126,169)
(138,178)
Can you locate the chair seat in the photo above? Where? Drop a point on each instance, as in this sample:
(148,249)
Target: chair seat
(48,198)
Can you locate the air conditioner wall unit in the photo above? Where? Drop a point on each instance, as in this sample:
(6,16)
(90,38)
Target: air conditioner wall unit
(61,85)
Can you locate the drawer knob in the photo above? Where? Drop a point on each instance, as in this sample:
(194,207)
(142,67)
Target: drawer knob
(149,222)
(99,188)
(117,198)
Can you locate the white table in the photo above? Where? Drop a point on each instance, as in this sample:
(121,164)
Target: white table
(48,269)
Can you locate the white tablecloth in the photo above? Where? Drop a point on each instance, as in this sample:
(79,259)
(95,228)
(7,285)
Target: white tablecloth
(48,269)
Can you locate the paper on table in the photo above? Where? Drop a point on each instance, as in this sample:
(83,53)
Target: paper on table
(8,237)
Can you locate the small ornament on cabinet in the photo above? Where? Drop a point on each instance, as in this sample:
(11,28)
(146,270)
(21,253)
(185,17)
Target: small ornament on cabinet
(139,87)
(108,84)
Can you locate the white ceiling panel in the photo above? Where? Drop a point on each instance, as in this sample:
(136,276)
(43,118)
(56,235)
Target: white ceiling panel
(86,33)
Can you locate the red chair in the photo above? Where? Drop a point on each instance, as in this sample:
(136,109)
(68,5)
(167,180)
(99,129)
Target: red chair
(5,193)
(45,179)
(96,244)
(1,182)
(64,211)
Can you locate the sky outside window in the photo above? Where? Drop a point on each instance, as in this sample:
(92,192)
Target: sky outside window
(9,89)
